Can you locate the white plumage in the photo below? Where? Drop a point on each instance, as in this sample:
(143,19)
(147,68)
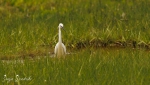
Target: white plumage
(60,49)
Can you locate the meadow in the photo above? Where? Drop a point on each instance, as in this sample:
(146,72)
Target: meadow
(108,42)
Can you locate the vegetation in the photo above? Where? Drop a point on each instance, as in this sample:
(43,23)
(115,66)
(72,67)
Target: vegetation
(106,67)
(28,29)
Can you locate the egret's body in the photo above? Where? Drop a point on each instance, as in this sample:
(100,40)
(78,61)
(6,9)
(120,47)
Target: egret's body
(60,49)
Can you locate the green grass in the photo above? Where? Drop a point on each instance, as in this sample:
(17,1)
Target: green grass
(28,25)
(89,66)
(28,31)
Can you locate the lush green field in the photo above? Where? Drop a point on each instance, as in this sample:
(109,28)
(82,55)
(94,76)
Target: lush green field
(99,34)
(28,26)
(107,66)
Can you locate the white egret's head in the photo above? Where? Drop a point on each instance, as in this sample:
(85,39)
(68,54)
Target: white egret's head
(60,25)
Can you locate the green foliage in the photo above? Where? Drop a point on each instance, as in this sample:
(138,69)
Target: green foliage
(28,28)
(26,24)
(89,66)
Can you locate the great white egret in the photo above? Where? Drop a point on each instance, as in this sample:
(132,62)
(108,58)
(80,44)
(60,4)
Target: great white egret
(60,49)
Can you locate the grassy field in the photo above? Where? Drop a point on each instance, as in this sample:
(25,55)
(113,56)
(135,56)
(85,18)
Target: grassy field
(108,41)
(87,67)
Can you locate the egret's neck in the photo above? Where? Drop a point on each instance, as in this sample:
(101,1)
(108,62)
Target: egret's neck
(59,39)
